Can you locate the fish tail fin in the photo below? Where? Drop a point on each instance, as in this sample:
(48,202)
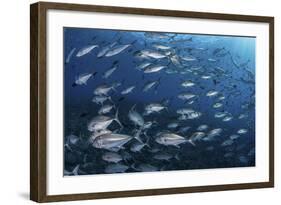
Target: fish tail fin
(133,107)
(177,157)
(191,142)
(137,135)
(75,170)
(110,99)
(147,141)
(133,166)
(117,119)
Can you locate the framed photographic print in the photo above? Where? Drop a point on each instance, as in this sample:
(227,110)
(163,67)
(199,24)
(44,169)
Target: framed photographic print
(134,102)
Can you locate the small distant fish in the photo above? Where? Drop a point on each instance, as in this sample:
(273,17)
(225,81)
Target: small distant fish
(217,105)
(149,85)
(227,142)
(116,50)
(154,107)
(243,159)
(202,127)
(206,77)
(104,89)
(128,90)
(112,157)
(173,125)
(213,133)
(85,50)
(197,136)
(186,96)
(137,146)
(164,156)
(74,172)
(82,79)
(189,58)
(212,93)
(234,137)
(212,60)
(220,114)
(154,68)
(161,47)
(184,129)
(115,168)
(187,83)
(105,109)
(135,117)
(109,72)
(105,49)
(242,131)
(227,118)
(145,168)
(70,55)
(143,65)
(100,99)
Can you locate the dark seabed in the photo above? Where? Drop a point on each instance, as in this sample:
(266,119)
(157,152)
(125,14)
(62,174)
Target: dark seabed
(148,101)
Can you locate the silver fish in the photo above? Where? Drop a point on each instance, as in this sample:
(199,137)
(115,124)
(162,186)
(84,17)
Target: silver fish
(97,133)
(212,93)
(186,96)
(85,50)
(150,85)
(197,136)
(154,107)
(205,77)
(212,133)
(171,139)
(128,90)
(100,99)
(145,168)
(143,65)
(137,146)
(189,58)
(105,49)
(108,73)
(220,114)
(112,142)
(153,54)
(116,50)
(105,109)
(101,122)
(173,125)
(70,55)
(234,137)
(161,47)
(164,156)
(242,131)
(227,143)
(104,89)
(154,68)
(217,105)
(83,78)
(112,157)
(227,118)
(212,60)
(73,172)
(187,83)
(135,117)
(115,168)
(202,127)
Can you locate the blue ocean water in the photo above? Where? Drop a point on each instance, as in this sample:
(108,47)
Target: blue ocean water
(224,64)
